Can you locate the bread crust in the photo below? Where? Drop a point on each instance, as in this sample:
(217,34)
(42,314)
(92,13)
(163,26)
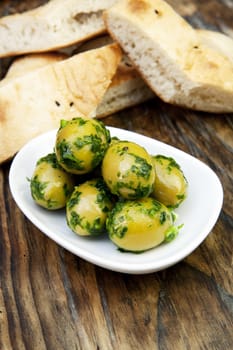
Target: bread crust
(36,102)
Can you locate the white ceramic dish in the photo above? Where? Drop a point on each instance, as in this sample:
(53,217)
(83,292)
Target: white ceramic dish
(199,212)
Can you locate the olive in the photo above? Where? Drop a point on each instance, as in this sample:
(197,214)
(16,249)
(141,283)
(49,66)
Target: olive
(170,185)
(128,170)
(87,208)
(50,185)
(140,225)
(81,144)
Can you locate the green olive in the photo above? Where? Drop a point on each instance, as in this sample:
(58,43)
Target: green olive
(140,225)
(170,185)
(128,170)
(81,144)
(50,185)
(87,208)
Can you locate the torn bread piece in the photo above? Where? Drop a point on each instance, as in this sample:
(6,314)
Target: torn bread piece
(127,88)
(170,55)
(36,102)
(56,24)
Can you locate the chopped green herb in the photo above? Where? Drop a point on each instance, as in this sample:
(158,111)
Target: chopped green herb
(50,159)
(74,199)
(38,188)
(67,157)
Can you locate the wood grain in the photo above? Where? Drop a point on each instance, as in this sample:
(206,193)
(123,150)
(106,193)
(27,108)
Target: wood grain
(52,299)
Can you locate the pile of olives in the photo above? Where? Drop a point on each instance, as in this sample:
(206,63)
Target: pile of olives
(109,185)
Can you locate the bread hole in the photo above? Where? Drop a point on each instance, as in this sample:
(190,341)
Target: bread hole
(55,28)
(83,18)
(157,12)
(132,45)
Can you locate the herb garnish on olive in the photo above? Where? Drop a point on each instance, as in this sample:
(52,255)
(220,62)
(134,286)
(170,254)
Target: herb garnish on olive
(170,185)
(108,185)
(50,185)
(81,144)
(140,225)
(128,170)
(87,208)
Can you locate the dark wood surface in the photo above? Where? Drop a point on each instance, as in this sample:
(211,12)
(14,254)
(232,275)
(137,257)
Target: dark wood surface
(52,299)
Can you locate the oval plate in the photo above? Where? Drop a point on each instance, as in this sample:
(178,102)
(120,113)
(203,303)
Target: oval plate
(199,212)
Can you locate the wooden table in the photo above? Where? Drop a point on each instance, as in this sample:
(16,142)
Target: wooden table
(52,299)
